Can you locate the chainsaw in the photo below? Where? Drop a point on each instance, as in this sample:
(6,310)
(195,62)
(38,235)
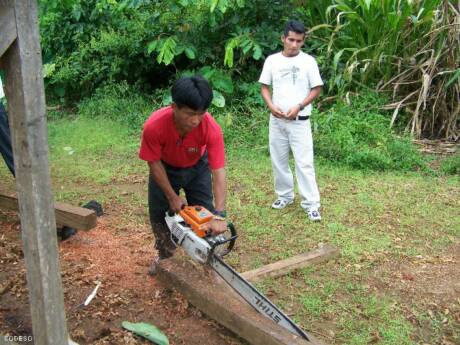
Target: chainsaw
(189,229)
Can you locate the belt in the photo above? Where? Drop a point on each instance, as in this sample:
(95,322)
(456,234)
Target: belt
(302,118)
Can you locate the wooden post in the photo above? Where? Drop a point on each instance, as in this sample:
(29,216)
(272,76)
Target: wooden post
(26,105)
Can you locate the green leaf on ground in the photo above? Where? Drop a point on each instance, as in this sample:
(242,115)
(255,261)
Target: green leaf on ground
(147,331)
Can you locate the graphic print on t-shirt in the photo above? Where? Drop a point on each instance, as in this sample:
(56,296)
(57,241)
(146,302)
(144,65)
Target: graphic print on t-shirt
(193,150)
(290,72)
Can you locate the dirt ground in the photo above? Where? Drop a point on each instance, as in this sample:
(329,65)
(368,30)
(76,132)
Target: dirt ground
(119,261)
(119,257)
(432,283)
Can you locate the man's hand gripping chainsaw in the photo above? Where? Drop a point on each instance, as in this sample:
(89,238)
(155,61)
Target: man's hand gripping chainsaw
(191,229)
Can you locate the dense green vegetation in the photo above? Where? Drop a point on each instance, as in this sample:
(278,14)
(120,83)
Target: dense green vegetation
(406,49)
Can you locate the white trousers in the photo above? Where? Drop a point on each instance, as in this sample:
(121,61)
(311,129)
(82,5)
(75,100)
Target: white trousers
(285,135)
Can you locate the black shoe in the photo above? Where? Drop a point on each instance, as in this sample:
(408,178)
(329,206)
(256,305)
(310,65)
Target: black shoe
(66,232)
(95,206)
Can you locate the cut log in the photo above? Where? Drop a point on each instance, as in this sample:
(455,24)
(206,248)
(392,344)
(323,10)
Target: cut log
(283,267)
(203,288)
(72,216)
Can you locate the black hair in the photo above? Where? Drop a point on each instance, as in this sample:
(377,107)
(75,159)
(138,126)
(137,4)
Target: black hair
(294,26)
(193,92)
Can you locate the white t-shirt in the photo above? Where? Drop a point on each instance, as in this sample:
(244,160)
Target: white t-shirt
(291,78)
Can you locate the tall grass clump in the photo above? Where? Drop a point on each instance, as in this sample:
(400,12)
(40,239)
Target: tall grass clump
(245,127)
(451,165)
(119,102)
(360,136)
(408,49)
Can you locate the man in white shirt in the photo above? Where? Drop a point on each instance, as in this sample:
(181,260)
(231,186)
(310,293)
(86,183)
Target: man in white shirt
(295,82)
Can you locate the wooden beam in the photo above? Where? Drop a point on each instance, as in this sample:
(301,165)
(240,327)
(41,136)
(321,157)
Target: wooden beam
(283,267)
(72,216)
(7,25)
(202,287)
(26,105)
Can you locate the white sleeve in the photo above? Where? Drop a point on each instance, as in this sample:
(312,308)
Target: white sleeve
(266,75)
(314,76)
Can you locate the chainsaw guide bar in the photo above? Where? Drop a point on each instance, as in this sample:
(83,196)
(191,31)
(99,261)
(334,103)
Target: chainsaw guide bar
(187,231)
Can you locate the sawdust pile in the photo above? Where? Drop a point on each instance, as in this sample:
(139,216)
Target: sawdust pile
(117,260)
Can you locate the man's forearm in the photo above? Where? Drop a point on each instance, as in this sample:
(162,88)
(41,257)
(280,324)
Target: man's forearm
(314,93)
(158,173)
(266,95)
(219,185)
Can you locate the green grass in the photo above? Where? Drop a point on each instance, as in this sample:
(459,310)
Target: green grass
(373,218)
(92,150)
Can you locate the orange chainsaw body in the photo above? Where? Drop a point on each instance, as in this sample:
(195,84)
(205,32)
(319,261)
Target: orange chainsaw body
(196,217)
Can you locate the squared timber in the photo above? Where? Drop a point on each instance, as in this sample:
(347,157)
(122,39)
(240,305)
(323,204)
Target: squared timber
(211,294)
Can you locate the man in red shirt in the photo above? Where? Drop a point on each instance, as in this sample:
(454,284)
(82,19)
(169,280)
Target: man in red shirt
(184,148)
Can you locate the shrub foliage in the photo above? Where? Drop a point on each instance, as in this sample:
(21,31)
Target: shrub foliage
(360,136)
(409,50)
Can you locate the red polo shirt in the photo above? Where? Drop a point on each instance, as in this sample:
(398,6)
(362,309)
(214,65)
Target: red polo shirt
(161,141)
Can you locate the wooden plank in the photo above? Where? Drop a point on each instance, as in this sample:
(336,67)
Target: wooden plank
(72,216)
(283,267)
(26,105)
(7,25)
(212,295)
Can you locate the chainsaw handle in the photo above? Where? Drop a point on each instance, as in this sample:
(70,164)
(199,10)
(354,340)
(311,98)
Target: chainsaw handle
(231,240)
(171,213)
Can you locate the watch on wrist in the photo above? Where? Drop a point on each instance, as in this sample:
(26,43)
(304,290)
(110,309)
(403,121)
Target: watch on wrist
(301,106)
(222,214)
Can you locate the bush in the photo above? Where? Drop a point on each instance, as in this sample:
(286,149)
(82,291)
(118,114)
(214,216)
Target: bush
(386,45)
(120,102)
(88,43)
(451,165)
(245,127)
(110,55)
(359,135)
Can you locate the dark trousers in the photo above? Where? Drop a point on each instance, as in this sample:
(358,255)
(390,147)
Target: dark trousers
(197,184)
(5,139)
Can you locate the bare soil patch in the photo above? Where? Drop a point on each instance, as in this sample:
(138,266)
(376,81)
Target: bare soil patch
(119,260)
(425,285)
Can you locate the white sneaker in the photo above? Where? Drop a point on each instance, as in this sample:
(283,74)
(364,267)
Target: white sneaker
(281,203)
(314,215)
